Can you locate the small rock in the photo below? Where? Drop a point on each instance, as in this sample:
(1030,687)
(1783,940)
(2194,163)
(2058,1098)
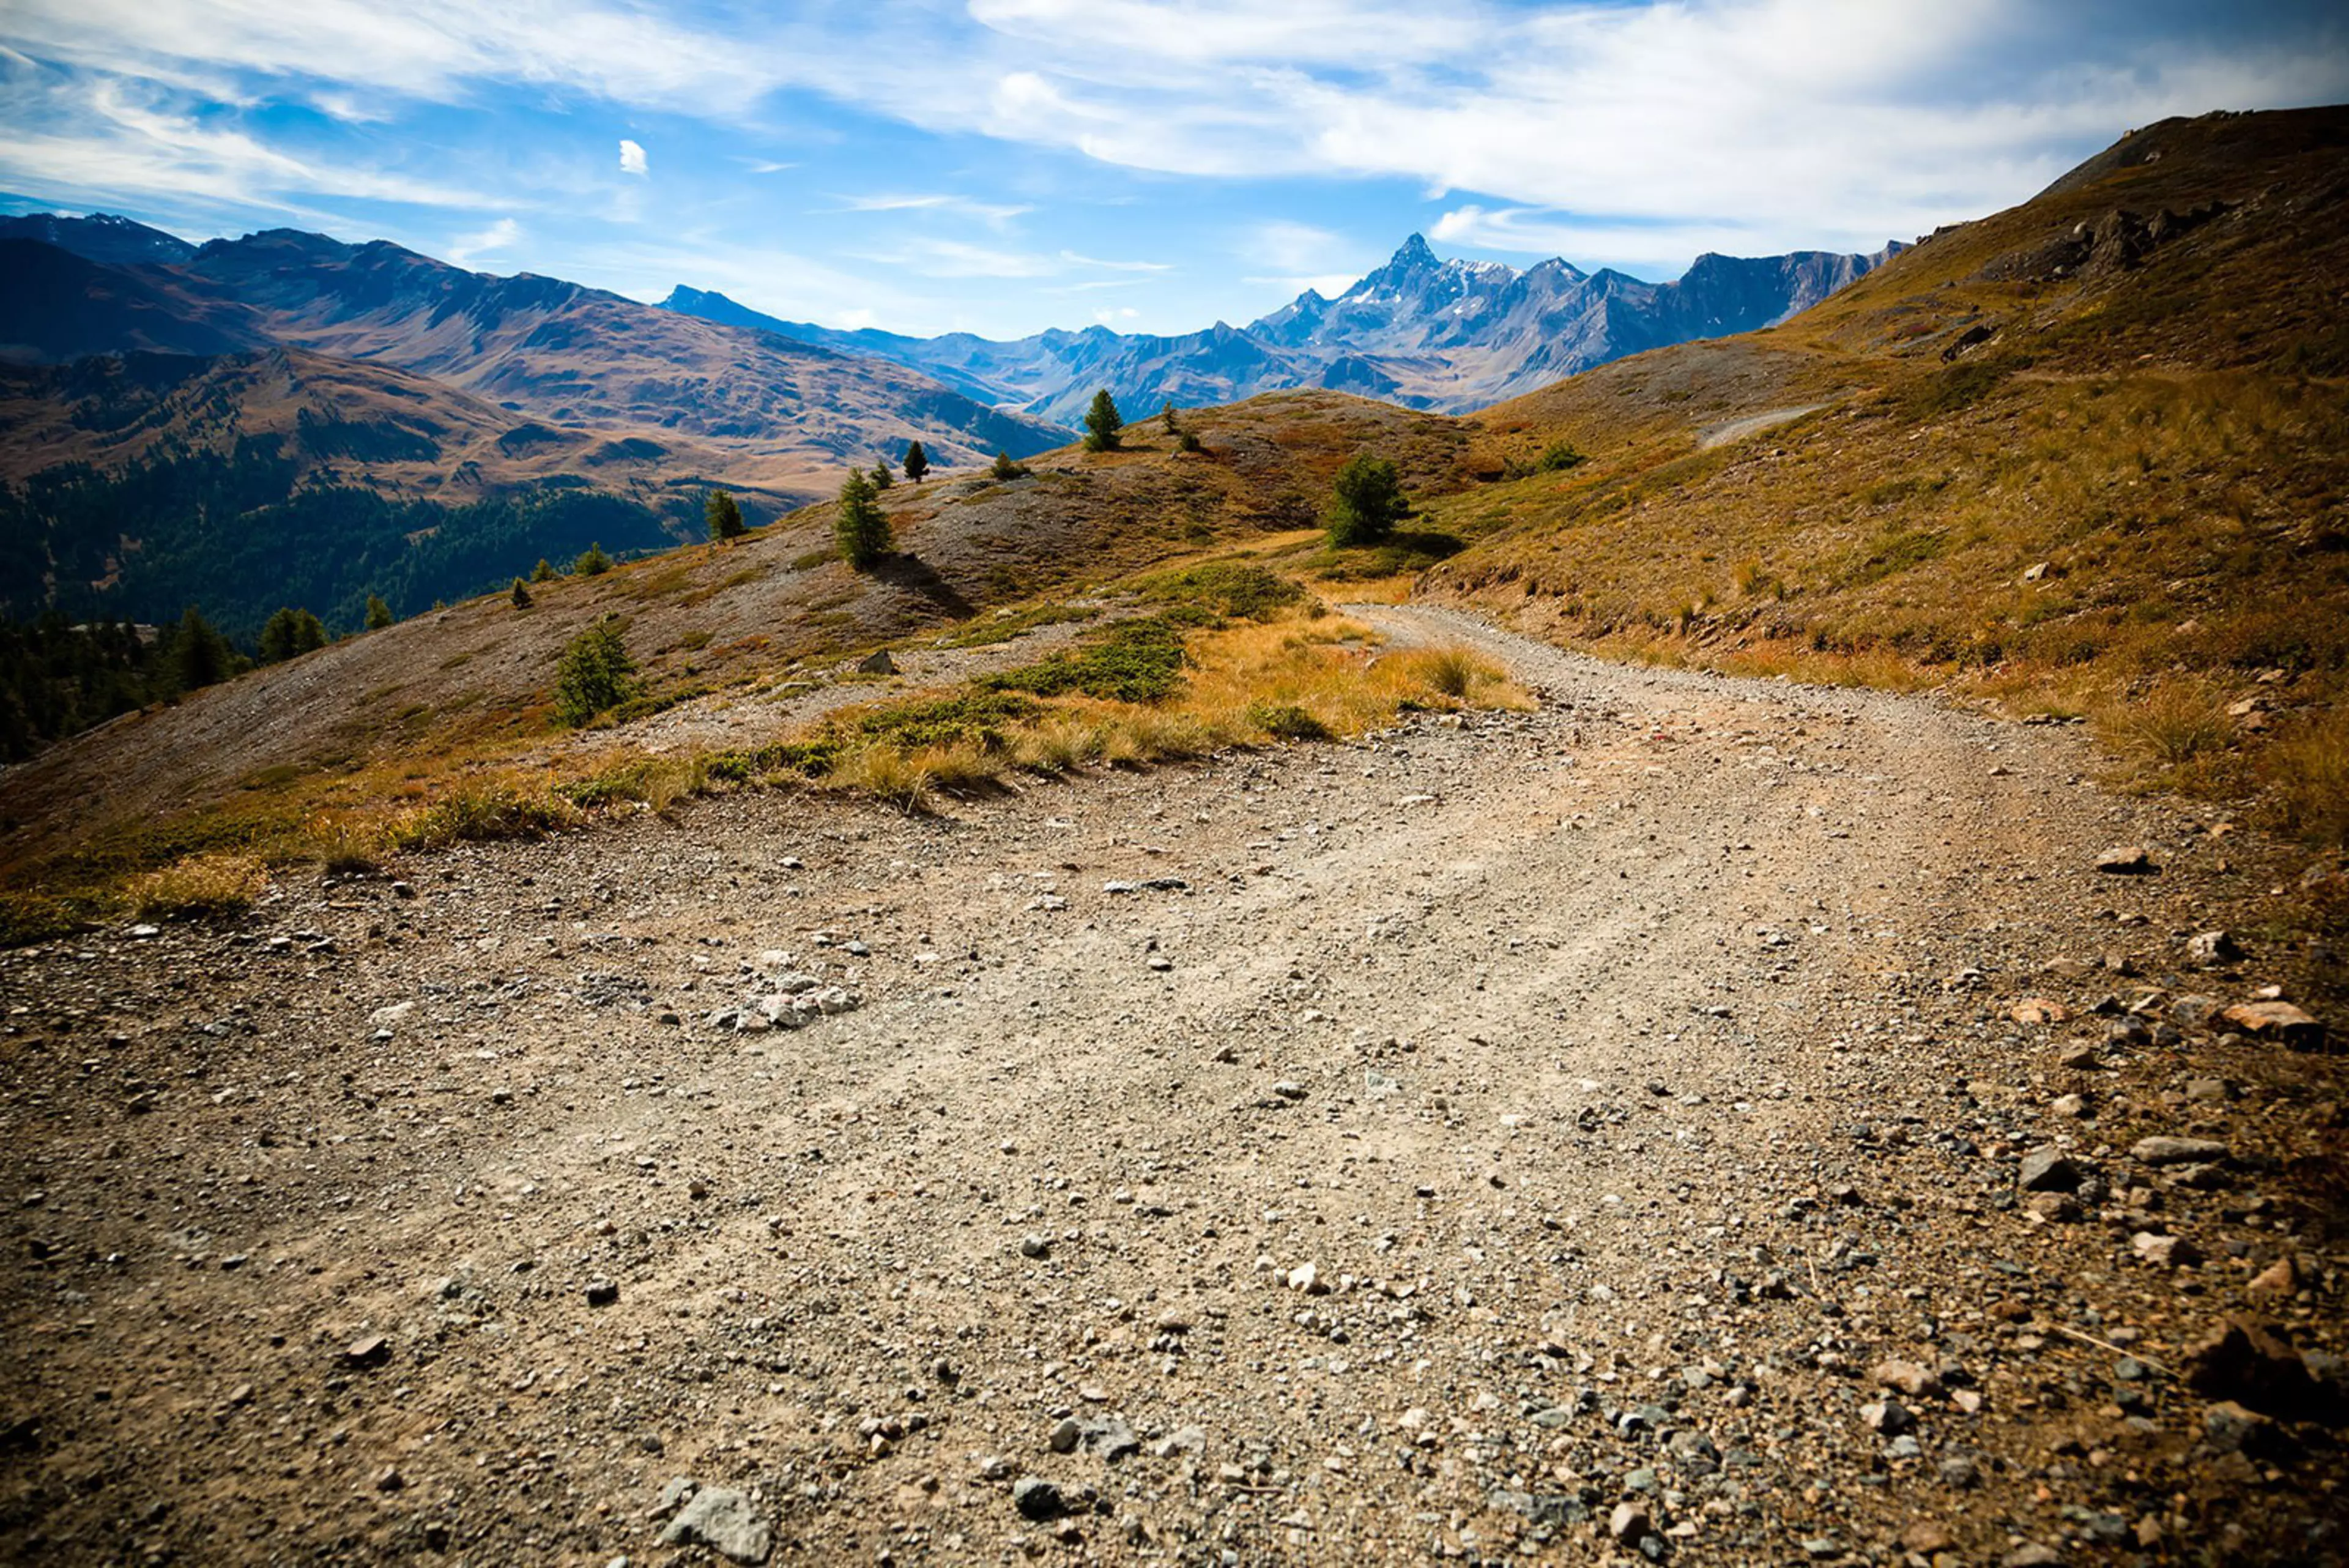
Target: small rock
(2074,1106)
(602,1293)
(372,1351)
(2230,1429)
(2276,1021)
(1065,1436)
(2280,1280)
(388,1478)
(2212,949)
(2047,1170)
(2252,1361)
(1907,1378)
(2177,1151)
(1925,1538)
(2126,860)
(2038,1011)
(2032,1555)
(2079,1057)
(1038,1499)
(1961,1471)
(2059,1206)
(1628,1523)
(2166,1251)
(1035,1244)
(1289,1089)
(1888,1416)
(1306,1280)
(878,664)
(722,1520)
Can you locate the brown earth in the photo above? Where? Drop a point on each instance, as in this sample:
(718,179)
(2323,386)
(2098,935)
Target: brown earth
(1634,1076)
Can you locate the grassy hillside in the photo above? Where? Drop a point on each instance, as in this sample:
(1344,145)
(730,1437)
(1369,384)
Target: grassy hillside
(2084,457)
(364,740)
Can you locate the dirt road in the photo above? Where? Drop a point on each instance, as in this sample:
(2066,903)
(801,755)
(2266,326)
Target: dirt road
(1525,1137)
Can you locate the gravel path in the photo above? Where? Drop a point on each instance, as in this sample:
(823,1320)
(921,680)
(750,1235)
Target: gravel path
(1738,430)
(1522,1135)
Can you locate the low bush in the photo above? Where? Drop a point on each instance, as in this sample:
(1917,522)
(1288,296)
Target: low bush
(200,887)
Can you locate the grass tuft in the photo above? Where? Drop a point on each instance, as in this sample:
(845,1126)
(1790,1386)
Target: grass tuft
(202,886)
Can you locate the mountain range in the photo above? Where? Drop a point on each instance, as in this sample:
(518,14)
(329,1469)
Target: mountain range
(175,416)
(1447,336)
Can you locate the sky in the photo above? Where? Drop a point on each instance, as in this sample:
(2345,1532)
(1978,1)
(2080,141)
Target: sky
(1005,166)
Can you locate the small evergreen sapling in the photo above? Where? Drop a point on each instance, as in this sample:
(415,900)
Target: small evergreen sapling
(724,516)
(1102,423)
(378,613)
(918,462)
(861,527)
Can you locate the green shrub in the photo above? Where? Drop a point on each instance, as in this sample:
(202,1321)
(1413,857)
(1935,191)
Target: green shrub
(1134,661)
(593,562)
(1366,501)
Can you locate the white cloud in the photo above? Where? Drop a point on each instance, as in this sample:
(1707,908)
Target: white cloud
(1111,317)
(489,242)
(994,214)
(632,157)
(1073,259)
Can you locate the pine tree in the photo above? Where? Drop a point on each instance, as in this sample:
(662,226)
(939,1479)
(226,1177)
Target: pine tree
(521,595)
(309,632)
(199,656)
(881,480)
(1005,468)
(862,528)
(378,613)
(541,573)
(593,563)
(1366,501)
(277,638)
(724,516)
(1166,417)
(918,462)
(594,675)
(1102,423)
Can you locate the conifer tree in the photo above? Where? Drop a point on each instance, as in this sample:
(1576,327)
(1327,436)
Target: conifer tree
(593,563)
(595,674)
(724,516)
(861,527)
(521,595)
(1366,501)
(918,462)
(378,613)
(881,480)
(1102,423)
(541,573)
(1166,417)
(1005,468)
(199,656)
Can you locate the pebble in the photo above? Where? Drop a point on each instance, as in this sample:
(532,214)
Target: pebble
(602,1293)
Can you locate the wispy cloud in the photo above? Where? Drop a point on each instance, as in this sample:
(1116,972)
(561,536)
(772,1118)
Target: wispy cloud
(996,215)
(632,157)
(489,242)
(1073,259)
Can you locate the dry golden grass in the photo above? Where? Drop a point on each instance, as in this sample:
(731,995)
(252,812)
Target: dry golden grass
(2306,772)
(202,886)
(887,774)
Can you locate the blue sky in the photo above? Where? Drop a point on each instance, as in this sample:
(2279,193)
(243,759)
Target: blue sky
(1003,166)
